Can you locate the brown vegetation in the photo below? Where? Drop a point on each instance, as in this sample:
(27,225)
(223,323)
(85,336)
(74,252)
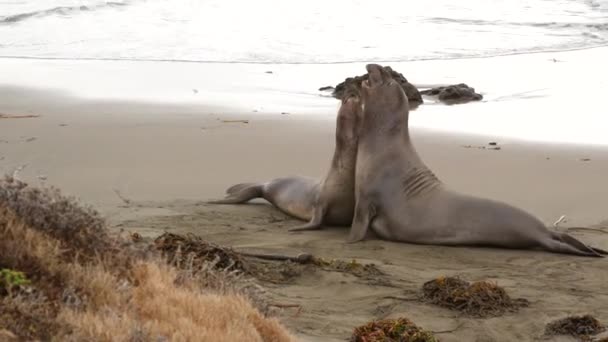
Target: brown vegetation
(86,284)
(480,299)
(577,326)
(391,330)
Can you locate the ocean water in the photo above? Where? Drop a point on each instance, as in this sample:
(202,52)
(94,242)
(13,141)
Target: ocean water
(254,57)
(311,31)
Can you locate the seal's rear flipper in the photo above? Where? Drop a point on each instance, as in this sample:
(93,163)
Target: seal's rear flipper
(365,212)
(238,187)
(241,193)
(564,243)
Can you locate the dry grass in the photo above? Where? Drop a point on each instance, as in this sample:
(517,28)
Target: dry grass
(89,285)
(480,299)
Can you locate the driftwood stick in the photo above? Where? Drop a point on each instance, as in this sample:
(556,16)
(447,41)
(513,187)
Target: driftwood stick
(125,200)
(448,331)
(408,299)
(285,306)
(302,258)
(7,116)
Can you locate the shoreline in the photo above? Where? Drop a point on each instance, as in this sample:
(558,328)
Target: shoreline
(155,152)
(379,61)
(564,85)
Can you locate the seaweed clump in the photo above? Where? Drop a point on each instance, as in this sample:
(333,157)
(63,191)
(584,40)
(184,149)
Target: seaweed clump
(480,299)
(187,251)
(391,330)
(577,326)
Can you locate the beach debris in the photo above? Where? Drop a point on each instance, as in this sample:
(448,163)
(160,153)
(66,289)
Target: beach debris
(286,306)
(492,143)
(391,330)
(284,113)
(236,121)
(582,327)
(269,72)
(454,94)
(493,146)
(63,125)
(26,116)
(30,139)
(302,258)
(125,200)
(585,159)
(353,84)
(559,220)
(195,91)
(17,170)
(326,88)
(136,237)
(353,267)
(191,250)
(479,299)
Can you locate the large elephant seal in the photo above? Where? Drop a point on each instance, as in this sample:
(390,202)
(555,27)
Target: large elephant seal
(398,198)
(329,201)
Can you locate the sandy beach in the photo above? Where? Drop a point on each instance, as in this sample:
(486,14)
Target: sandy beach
(149,168)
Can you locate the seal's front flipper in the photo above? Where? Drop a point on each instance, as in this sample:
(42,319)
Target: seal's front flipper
(365,212)
(241,193)
(315,222)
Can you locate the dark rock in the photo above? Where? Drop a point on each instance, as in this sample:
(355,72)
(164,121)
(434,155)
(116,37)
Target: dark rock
(353,84)
(454,94)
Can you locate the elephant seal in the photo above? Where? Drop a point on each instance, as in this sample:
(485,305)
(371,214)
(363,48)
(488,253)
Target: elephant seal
(398,198)
(328,201)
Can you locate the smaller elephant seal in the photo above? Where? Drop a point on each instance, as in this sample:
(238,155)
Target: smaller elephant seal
(329,201)
(398,198)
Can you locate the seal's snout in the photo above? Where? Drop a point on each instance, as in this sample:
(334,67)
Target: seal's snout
(374,72)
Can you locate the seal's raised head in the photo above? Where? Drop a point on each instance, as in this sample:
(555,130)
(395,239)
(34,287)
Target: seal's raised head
(384,101)
(349,119)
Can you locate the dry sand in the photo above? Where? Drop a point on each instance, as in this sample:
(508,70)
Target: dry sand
(165,160)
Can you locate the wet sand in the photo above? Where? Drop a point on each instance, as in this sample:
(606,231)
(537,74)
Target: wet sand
(150,167)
